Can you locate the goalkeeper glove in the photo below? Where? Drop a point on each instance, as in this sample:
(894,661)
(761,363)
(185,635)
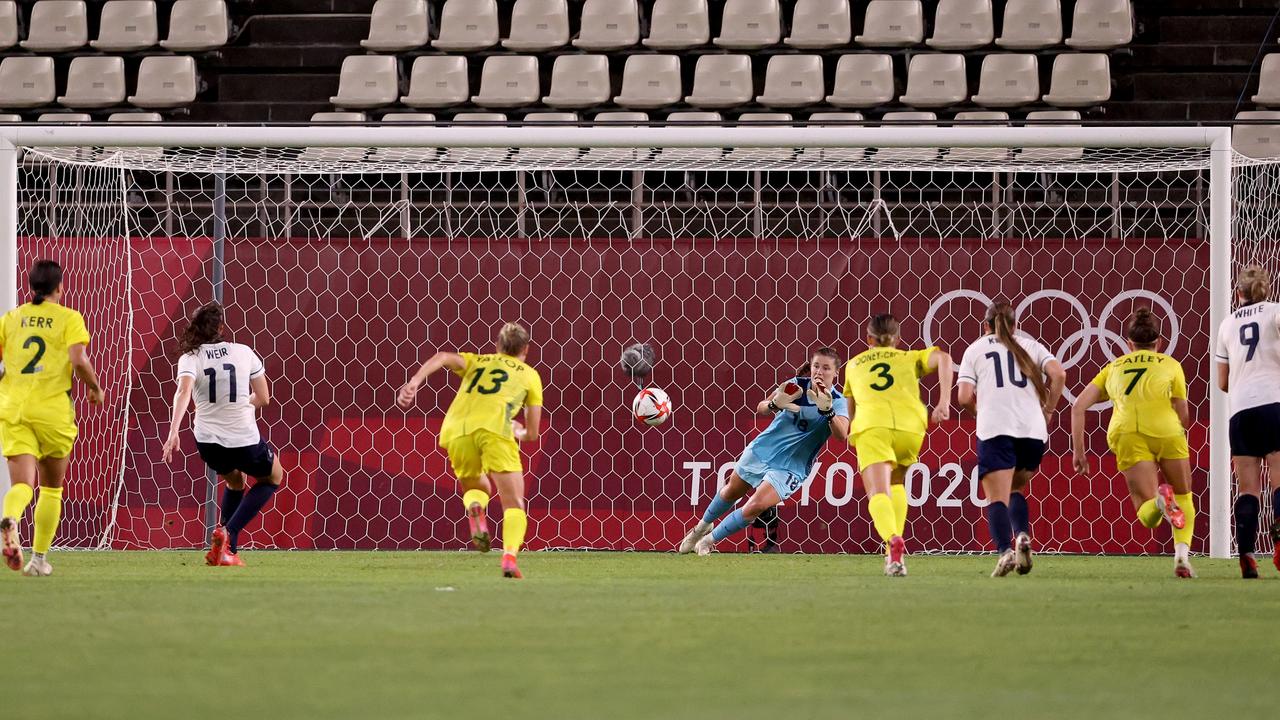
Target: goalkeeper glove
(821,398)
(784,398)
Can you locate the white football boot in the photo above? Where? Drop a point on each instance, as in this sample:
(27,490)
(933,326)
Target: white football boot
(690,540)
(1005,565)
(705,546)
(38,567)
(1022,546)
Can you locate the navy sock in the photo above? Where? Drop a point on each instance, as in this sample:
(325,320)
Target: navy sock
(253,502)
(230,501)
(1247,507)
(1019,514)
(998,523)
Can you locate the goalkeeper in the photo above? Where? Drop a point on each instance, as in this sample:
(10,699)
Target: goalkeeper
(806,412)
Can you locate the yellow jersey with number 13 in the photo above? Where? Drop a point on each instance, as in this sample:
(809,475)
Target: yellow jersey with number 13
(34,340)
(885,386)
(494,389)
(1140,386)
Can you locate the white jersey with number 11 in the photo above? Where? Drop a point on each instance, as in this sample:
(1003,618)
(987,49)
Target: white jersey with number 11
(222,372)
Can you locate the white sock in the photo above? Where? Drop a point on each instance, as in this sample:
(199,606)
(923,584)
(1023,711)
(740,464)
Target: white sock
(703,527)
(1181,551)
(37,557)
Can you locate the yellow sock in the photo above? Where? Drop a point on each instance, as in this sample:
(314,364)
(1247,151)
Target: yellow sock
(1188,505)
(17,500)
(898,493)
(514,523)
(1149,514)
(48,514)
(475,496)
(882,515)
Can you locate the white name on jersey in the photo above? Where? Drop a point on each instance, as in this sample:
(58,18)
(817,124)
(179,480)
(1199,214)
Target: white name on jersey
(1249,342)
(222,372)
(1007,400)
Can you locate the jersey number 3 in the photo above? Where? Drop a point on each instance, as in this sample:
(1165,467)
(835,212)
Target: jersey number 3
(885,380)
(496,378)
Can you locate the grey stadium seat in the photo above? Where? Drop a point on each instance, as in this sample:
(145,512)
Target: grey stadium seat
(721,81)
(26,82)
(817,24)
(909,155)
(538,25)
(1052,154)
(962,25)
(749,24)
(408,118)
(650,81)
(9,30)
(964,154)
(1008,80)
(678,24)
(467,25)
(1101,24)
(397,25)
(892,23)
(609,25)
(127,26)
(1080,80)
(94,82)
(197,26)
(165,82)
(1031,25)
(1269,81)
(135,117)
(438,81)
(863,80)
(10,118)
(57,26)
(509,81)
(368,81)
(1257,141)
(64,117)
(579,81)
(936,80)
(793,81)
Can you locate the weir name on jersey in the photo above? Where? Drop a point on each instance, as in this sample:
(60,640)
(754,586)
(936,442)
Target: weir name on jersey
(215,353)
(37,321)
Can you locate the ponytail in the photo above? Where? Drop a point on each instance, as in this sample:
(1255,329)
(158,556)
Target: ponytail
(44,279)
(1253,284)
(883,329)
(1000,318)
(1143,329)
(205,327)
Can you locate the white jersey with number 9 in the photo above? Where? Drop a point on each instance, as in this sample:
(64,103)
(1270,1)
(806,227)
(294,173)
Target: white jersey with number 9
(222,372)
(1249,342)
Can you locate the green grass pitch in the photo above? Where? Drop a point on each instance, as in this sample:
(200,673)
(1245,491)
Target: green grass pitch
(612,635)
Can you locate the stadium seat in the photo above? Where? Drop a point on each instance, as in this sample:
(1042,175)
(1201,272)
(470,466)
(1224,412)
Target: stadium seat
(986,117)
(368,81)
(467,25)
(135,117)
(828,119)
(538,25)
(1269,81)
(607,157)
(694,117)
(9,29)
(165,82)
(936,80)
(750,24)
(765,117)
(1257,141)
(26,82)
(1052,154)
(10,118)
(335,154)
(762,155)
(863,81)
(479,117)
(1031,24)
(339,117)
(401,154)
(623,117)
(579,81)
(94,82)
(1079,80)
(408,118)
(1101,24)
(793,81)
(892,23)
(678,24)
(817,24)
(650,81)
(64,117)
(962,25)
(57,26)
(197,26)
(438,81)
(509,81)
(721,81)
(134,154)
(398,25)
(909,155)
(1008,80)
(548,156)
(696,156)
(609,25)
(127,26)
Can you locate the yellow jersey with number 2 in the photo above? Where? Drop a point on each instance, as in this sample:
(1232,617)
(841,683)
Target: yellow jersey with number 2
(494,389)
(1140,386)
(885,386)
(34,340)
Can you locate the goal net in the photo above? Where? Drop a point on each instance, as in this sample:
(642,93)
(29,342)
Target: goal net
(345,266)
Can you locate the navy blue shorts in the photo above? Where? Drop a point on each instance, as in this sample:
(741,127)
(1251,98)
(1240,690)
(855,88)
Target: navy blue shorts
(1255,432)
(256,461)
(1004,452)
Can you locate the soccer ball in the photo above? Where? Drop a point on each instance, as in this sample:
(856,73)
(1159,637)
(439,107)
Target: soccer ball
(651,406)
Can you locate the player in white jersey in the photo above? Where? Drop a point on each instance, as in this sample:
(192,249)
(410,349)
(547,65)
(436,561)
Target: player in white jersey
(228,383)
(1248,357)
(1018,384)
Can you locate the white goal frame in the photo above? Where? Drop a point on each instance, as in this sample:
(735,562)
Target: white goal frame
(1216,139)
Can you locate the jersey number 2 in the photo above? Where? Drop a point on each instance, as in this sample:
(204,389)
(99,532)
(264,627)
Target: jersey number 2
(34,365)
(213,382)
(496,377)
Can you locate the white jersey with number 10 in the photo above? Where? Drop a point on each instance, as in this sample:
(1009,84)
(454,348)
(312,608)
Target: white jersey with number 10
(222,372)
(1007,400)
(1249,342)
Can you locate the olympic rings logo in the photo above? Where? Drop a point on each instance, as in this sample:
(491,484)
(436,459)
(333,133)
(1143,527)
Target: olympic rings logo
(1074,347)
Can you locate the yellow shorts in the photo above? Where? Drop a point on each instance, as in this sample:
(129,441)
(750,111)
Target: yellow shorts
(483,452)
(1133,448)
(43,429)
(878,445)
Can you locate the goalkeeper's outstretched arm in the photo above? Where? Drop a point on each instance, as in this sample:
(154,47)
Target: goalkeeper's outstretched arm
(409,391)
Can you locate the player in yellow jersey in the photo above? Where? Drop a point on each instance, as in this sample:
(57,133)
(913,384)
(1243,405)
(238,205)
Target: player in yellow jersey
(480,432)
(889,422)
(1147,433)
(43,345)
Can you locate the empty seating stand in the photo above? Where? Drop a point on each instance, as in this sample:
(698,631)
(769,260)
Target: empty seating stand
(166,82)
(863,80)
(608,25)
(678,25)
(467,25)
(892,23)
(650,81)
(57,26)
(197,26)
(127,26)
(398,25)
(793,81)
(367,81)
(819,24)
(438,81)
(1031,24)
(962,25)
(722,81)
(94,82)
(579,81)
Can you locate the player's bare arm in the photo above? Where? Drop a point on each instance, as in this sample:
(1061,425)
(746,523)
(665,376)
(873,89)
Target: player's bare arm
(181,401)
(1087,399)
(83,369)
(942,363)
(449,360)
(261,395)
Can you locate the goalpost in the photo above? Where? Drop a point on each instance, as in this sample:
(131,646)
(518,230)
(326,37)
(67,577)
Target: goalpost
(344,254)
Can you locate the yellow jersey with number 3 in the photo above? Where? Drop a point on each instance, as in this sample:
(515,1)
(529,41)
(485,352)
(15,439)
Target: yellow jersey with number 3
(1140,386)
(494,389)
(885,386)
(34,340)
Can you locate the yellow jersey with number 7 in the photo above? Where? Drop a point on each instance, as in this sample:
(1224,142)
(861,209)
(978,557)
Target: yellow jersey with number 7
(494,389)
(884,383)
(34,340)
(1140,386)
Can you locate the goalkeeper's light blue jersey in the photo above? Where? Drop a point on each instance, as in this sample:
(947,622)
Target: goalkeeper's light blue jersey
(793,440)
